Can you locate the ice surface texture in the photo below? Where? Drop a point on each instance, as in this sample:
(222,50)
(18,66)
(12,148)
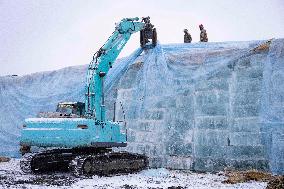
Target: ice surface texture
(200,106)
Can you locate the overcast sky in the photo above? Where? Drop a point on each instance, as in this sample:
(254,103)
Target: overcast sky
(40,35)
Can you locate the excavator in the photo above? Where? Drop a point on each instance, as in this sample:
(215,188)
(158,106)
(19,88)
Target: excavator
(78,137)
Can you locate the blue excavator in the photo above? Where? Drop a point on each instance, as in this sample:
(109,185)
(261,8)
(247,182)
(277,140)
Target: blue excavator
(78,137)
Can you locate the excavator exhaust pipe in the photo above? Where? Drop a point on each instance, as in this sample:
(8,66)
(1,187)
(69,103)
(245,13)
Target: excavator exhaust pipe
(148,36)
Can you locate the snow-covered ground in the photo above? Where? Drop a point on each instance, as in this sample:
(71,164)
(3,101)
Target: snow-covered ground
(12,177)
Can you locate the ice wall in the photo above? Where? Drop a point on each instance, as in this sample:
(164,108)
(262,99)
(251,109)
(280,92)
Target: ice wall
(201,106)
(272,106)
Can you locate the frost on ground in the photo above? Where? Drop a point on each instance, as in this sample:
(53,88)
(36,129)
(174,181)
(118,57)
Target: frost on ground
(12,177)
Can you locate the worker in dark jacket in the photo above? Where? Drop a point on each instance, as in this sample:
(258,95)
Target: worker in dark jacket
(187,36)
(203,34)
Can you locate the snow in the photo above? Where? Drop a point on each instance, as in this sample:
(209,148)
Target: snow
(53,120)
(161,172)
(12,177)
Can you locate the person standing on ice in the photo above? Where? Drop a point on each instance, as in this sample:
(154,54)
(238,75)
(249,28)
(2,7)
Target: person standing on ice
(203,34)
(187,36)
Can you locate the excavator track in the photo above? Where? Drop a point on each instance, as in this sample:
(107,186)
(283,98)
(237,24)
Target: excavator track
(46,161)
(108,164)
(101,162)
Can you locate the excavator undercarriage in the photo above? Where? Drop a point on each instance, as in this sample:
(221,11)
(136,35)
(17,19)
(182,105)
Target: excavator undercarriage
(84,161)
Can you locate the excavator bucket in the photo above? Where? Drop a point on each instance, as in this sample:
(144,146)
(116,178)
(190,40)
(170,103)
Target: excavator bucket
(148,35)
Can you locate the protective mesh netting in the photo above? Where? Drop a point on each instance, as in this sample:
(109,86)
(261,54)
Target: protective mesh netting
(167,70)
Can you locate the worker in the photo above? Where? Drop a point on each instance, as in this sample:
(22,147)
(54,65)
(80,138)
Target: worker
(187,36)
(203,34)
(148,24)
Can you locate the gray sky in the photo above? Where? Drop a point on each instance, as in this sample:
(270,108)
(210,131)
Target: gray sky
(40,35)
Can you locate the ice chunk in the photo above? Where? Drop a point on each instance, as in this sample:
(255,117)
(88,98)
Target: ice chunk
(161,172)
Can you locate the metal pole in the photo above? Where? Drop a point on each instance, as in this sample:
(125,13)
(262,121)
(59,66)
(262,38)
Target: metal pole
(114,106)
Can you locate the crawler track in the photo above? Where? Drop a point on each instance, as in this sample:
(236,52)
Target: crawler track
(85,162)
(108,164)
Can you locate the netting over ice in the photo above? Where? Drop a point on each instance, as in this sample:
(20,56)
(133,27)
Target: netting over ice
(202,106)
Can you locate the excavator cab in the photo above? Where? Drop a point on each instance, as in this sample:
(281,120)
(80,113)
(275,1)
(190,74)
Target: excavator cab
(148,35)
(77,108)
(65,110)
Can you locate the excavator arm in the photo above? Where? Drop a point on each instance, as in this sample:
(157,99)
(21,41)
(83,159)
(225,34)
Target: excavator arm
(102,62)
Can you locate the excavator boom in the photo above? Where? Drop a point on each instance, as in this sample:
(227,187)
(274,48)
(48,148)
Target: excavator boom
(103,61)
